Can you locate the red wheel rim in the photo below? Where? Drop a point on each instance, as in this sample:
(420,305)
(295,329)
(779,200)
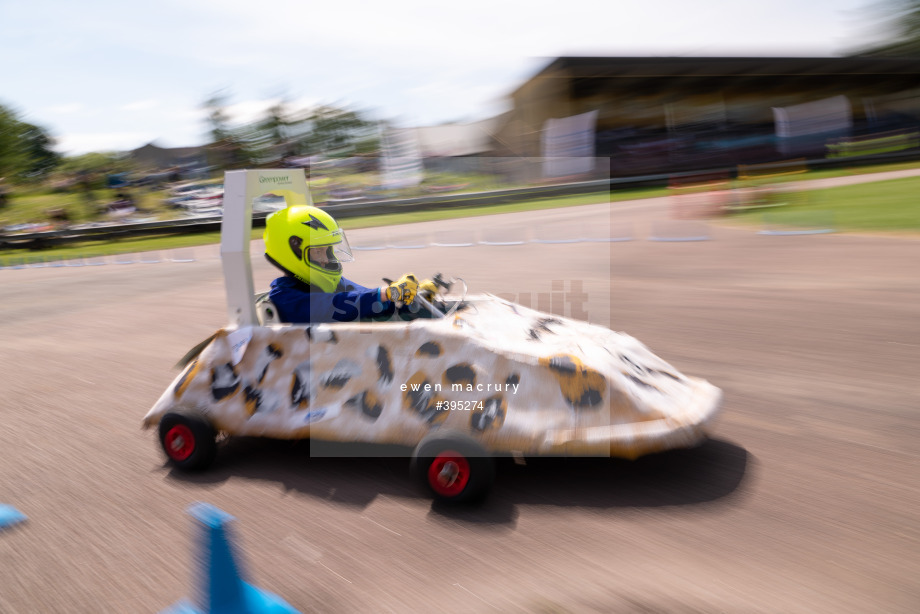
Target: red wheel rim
(449,473)
(179,442)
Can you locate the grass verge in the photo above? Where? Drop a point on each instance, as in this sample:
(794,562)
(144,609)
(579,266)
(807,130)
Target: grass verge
(889,206)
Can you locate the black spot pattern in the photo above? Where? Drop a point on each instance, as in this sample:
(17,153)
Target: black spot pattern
(491,415)
(589,398)
(253,399)
(420,400)
(638,381)
(300,390)
(542,326)
(462,373)
(224,381)
(671,375)
(336,381)
(429,348)
(423,402)
(635,366)
(563,364)
(581,387)
(384,367)
(370,405)
(272,352)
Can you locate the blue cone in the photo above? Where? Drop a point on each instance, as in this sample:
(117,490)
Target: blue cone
(222,589)
(9,516)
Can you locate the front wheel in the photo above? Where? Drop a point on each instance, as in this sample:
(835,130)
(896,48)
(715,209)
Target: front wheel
(453,468)
(189,441)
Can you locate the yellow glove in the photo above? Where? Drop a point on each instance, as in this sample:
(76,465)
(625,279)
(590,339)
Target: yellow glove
(428,290)
(403,290)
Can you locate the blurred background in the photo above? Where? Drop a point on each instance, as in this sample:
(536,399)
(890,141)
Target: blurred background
(111,115)
(118,121)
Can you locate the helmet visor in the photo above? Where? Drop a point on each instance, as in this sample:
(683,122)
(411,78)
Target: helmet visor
(329,252)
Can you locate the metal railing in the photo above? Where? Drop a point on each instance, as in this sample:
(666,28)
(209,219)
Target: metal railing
(359,208)
(51,238)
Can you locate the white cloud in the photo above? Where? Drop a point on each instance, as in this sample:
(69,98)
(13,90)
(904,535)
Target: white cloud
(455,100)
(141,105)
(65,109)
(80,143)
(249,111)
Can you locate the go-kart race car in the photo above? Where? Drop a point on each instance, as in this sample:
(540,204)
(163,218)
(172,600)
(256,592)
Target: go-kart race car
(480,377)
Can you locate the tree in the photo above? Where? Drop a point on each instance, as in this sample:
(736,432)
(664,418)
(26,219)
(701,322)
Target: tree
(11,154)
(228,147)
(898,22)
(218,119)
(334,130)
(25,149)
(276,123)
(37,145)
(273,137)
(324,130)
(281,132)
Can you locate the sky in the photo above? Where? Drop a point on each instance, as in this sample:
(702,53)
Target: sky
(107,75)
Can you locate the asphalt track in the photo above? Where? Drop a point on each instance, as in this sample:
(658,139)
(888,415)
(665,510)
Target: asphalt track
(807,499)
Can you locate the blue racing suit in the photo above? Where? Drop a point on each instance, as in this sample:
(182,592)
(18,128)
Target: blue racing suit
(300,303)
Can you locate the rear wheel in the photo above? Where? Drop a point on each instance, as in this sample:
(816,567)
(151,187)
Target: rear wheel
(454,468)
(189,441)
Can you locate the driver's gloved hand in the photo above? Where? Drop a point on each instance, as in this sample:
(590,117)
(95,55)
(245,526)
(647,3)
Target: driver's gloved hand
(402,290)
(427,290)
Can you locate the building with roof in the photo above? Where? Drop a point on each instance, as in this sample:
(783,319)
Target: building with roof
(683,113)
(154,157)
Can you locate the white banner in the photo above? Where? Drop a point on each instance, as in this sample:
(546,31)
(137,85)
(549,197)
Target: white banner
(402,161)
(830,115)
(568,145)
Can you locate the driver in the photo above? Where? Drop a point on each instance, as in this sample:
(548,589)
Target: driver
(308,246)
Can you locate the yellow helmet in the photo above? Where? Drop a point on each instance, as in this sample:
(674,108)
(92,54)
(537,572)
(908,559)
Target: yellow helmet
(308,244)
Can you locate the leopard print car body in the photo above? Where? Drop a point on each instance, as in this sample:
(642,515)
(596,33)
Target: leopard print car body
(571,388)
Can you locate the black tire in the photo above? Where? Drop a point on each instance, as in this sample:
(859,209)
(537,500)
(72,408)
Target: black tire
(453,468)
(189,441)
